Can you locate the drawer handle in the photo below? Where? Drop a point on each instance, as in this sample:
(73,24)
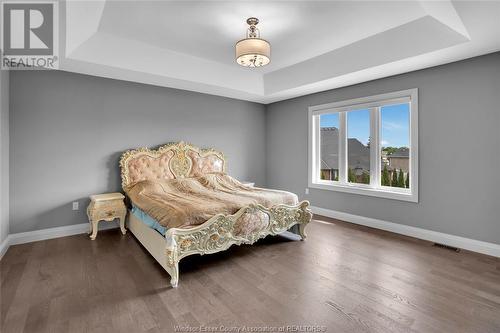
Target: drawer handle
(110,213)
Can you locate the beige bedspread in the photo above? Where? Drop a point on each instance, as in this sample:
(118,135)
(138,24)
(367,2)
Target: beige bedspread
(192,201)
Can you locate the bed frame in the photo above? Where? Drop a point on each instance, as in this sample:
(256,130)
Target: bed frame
(181,160)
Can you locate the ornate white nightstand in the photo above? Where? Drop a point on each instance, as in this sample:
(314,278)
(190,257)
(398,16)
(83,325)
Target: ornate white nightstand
(106,207)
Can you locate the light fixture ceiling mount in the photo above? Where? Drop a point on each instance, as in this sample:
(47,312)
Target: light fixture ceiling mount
(253,51)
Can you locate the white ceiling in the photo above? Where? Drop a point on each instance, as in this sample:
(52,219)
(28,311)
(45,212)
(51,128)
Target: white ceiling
(315,45)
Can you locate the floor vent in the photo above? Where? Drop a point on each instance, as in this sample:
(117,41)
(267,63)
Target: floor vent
(447,247)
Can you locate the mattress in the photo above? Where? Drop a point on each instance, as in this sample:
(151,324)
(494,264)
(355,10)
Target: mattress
(148,220)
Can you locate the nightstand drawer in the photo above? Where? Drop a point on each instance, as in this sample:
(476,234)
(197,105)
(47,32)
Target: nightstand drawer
(103,214)
(107,209)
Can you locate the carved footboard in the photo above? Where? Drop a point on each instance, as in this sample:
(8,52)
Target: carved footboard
(246,226)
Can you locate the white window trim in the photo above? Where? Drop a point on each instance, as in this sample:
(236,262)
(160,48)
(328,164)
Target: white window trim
(373,103)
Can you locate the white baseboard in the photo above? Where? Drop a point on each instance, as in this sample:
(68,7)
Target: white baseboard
(491,249)
(4,246)
(49,233)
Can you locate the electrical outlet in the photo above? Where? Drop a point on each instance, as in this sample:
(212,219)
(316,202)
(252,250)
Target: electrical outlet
(307,190)
(75,205)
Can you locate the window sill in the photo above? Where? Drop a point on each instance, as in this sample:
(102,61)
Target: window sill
(366,190)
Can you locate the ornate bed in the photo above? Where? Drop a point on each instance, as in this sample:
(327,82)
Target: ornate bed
(181,160)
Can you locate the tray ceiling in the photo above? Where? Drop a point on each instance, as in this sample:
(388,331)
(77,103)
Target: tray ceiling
(315,45)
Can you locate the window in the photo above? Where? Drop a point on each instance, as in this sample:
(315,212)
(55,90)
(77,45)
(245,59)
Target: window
(329,152)
(358,146)
(366,146)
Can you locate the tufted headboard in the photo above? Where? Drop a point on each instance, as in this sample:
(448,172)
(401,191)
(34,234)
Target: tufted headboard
(173,160)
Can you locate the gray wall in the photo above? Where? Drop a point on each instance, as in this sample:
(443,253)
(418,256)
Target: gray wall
(459,141)
(67,132)
(4,154)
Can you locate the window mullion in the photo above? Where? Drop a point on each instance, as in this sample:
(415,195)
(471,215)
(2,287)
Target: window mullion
(342,148)
(317,148)
(375,147)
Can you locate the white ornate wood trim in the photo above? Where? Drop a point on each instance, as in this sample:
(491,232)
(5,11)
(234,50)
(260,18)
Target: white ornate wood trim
(218,233)
(180,164)
(107,210)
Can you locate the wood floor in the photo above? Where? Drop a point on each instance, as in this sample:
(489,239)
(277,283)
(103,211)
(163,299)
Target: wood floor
(344,278)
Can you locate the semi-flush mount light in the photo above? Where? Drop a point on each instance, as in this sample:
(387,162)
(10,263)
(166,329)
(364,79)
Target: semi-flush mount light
(253,51)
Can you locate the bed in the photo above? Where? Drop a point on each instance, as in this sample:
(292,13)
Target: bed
(201,209)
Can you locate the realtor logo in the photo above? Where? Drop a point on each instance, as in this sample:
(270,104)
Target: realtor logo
(29,35)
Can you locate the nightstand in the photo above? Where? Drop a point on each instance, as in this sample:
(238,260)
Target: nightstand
(106,207)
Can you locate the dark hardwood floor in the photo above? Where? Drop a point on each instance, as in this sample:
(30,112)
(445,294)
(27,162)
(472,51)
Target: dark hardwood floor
(346,278)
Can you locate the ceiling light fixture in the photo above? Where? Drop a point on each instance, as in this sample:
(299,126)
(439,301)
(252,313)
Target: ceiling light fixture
(253,51)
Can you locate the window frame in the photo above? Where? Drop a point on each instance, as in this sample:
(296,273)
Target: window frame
(373,103)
